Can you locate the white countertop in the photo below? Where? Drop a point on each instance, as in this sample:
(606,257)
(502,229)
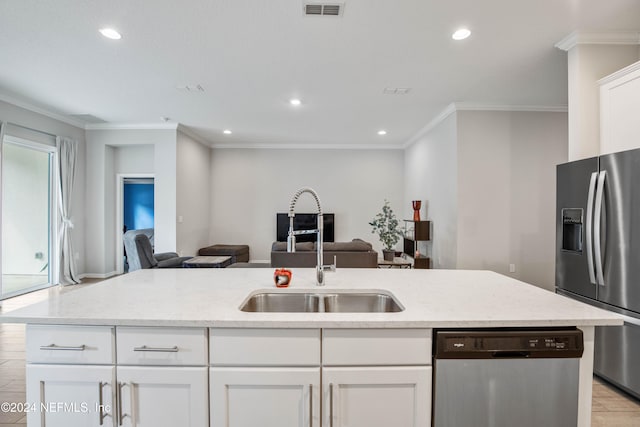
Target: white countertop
(212,297)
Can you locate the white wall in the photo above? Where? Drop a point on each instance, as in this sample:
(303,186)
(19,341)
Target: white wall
(102,146)
(430,175)
(506,191)
(134,159)
(193,195)
(249,186)
(20,116)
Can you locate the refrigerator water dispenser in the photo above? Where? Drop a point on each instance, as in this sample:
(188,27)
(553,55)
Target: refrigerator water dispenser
(572,229)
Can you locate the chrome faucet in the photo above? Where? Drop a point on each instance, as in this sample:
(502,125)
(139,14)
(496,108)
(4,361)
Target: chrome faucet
(291,238)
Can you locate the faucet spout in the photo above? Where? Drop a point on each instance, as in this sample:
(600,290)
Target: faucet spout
(291,238)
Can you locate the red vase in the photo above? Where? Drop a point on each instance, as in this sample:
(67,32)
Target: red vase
(416,209)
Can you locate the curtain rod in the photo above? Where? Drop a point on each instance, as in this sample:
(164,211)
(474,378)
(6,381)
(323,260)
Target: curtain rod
(31,129)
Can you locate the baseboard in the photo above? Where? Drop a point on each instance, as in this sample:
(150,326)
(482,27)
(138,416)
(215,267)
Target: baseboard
(97,275)
(259,261)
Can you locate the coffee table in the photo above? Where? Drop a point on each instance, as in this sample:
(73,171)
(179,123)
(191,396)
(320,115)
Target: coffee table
(397,262)
(207,262)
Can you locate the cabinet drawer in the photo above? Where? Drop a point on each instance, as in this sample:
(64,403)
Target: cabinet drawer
(70,344)
(161,346)
(264,347)
(350,347)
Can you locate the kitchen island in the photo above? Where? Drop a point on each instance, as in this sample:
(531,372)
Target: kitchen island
(172,346)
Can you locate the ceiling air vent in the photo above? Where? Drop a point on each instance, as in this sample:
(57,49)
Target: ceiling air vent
(323,9)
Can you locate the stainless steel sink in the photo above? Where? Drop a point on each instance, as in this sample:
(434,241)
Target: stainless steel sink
(272,302)
(361,303)
(322,302)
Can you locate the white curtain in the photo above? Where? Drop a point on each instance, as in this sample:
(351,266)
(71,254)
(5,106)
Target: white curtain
(67,153)
(2,127)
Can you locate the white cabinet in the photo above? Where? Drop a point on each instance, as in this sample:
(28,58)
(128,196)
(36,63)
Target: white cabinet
(162,396)
(159,378)
(70,375)
(278,397)
(376,396)
(376,377)
(619,105)
(162,377)
(328,378)
(64,396)
(265,377)
(236,378)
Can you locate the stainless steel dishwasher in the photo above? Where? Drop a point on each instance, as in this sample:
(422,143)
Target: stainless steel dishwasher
(506,378)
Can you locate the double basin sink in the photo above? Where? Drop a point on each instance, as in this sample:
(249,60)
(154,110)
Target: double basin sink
(322,302)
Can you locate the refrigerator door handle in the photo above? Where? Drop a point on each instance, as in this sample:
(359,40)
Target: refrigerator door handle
(596,229)
(589,227)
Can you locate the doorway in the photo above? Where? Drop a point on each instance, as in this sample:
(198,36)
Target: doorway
(135,209)
(28,216)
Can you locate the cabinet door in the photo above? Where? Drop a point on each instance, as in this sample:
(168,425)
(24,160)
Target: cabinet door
(69,396)
(162,397)
(376,397)
(266,397)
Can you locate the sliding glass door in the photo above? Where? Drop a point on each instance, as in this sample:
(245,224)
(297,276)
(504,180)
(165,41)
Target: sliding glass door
(28,215)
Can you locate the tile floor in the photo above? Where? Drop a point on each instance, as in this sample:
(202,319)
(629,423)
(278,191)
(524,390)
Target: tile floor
(611,408)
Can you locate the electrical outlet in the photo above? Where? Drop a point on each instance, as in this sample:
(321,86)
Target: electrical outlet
(512,268)
(180,219)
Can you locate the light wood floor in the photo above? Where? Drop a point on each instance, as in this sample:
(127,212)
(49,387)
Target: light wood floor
(611,408)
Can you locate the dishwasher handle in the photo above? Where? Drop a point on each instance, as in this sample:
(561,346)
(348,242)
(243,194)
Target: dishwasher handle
(506,354)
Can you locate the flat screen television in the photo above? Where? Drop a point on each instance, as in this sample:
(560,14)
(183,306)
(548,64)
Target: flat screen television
(305,221)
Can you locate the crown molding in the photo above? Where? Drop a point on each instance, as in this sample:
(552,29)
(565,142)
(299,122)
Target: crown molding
(307,146)
(577,37)
(131,126)
(39,110)
(470,106)
(191,134)
(620,73)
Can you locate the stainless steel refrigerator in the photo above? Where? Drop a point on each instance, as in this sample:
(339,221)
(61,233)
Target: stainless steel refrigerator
(598,254)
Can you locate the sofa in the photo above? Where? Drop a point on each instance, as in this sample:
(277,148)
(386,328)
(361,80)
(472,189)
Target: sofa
(354,254)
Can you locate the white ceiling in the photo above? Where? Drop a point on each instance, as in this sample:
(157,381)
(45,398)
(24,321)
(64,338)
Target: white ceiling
(252,56)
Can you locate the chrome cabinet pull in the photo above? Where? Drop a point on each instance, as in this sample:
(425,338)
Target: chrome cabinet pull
(119,393)
(589,230)
(173,349)
(62,347)
(330,404)
(101,413)
(310,405)
(597,225)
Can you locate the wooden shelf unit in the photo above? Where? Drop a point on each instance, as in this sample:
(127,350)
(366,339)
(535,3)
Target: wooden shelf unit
(421,233)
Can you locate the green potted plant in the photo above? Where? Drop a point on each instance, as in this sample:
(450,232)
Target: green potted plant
(386,225)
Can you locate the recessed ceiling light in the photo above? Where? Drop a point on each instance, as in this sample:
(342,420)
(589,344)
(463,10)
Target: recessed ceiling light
(226,132)
(382,132)
(461,34)
(295,101)
(110,33)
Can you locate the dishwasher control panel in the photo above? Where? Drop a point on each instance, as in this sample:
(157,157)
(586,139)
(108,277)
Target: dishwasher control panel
(485,344)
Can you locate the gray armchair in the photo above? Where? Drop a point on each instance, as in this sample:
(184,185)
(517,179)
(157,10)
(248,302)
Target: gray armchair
(140,253)
(150,260)
(133,260)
